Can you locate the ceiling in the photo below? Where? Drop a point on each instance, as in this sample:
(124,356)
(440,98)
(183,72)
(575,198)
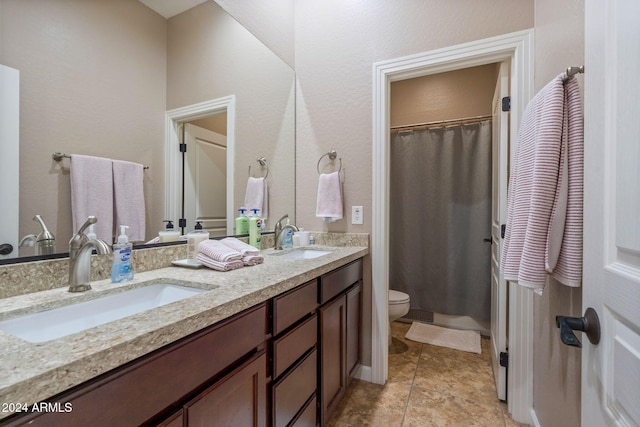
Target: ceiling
(169,8)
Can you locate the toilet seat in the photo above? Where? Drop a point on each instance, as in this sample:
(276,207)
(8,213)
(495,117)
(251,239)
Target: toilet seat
(397,297)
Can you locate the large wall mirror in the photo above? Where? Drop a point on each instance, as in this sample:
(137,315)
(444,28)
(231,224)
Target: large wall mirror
(98,78)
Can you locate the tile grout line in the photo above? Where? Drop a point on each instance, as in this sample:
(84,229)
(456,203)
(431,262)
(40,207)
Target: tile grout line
(413,379)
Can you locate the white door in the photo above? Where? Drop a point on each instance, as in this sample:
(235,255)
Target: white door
(499,178)
(9,160)
(611,369)
(205,182)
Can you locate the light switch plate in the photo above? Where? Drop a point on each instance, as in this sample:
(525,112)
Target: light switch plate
(356,214)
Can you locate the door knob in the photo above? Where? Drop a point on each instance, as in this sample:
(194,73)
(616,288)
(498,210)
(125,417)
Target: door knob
(590,324)
(6,249)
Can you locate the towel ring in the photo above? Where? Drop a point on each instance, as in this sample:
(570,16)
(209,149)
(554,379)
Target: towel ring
(263,162)
(332,156)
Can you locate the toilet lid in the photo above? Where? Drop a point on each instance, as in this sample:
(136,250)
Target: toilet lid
(397,297)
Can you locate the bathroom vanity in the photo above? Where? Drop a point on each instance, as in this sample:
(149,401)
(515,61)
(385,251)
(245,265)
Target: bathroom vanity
(272,344)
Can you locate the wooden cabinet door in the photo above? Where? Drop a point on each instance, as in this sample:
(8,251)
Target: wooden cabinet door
(238,399)
(353,328)
(333,366)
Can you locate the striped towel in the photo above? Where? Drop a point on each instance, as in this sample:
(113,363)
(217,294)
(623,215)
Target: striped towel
(218,251)
(544,204)
(219,265)
(250,255)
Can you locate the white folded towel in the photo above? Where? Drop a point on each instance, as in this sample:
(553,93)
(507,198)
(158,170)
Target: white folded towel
(250,255)
(218,251)
(92,194)
(240,246)
(128,194)
(329,201)
(218,265)
(257,196)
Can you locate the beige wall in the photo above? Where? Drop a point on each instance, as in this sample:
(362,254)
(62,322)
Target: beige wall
(559,43)
(210,55)
(445,96)
(271,21)
(92,81)
(336,44)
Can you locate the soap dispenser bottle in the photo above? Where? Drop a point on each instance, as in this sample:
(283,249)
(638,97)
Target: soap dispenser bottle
(168,234)
(193,240)
(287,238)
(242,222)
(255,229)
(122,269)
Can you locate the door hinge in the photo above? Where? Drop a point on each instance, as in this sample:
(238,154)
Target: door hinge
(182,222)
(506,103)
(504,359)
(183,148)
(503,230)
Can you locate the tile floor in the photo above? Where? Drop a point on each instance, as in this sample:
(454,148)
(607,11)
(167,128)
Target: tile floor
(427,386)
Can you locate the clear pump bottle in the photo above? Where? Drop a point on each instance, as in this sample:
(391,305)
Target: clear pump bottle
(122,269)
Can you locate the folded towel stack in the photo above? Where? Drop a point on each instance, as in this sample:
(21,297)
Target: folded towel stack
(250,255)
(218,256)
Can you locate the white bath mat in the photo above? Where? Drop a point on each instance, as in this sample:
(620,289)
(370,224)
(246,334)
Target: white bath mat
(443,337)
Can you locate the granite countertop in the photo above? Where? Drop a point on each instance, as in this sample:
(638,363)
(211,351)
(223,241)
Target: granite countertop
(32,372)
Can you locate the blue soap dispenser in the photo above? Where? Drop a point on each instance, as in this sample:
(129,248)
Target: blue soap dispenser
(122,269)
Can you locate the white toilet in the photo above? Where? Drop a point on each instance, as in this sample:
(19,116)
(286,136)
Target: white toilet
(398,307)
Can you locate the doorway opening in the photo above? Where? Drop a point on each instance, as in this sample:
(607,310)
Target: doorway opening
(515,48)
(209,159)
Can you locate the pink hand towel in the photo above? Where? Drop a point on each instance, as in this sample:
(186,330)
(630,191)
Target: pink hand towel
(218,265)
(250,255)
(128,192)
(217,251)
(92,194)
(257,196)
(329,201)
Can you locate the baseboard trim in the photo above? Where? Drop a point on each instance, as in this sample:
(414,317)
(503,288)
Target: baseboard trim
(363,373)
(534,419)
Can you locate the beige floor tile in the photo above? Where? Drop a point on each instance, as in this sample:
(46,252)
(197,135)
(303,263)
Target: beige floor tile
(367,404)
(428,408)
(427,386)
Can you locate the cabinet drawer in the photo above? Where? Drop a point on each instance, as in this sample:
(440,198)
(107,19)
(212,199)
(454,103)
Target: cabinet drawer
(293,390)
(331,284)
(291,346)
(292,306)
(308,417)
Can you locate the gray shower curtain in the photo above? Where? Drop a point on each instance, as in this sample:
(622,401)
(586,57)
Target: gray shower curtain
(440,214)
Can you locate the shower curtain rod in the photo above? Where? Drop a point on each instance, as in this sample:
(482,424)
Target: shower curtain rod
(427,125)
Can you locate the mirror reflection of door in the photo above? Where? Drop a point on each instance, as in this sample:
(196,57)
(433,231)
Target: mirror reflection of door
(205,174)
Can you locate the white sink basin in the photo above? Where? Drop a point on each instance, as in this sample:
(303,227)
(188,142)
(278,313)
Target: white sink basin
(59,322)
(304,253)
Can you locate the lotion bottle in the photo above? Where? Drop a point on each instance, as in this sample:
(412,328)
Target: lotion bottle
(168,234)
(255,229)
(193,240)
(242,222)
(122,268)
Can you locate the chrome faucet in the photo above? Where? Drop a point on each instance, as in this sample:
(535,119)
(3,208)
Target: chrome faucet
(45,242)
(279,228)
(80,248)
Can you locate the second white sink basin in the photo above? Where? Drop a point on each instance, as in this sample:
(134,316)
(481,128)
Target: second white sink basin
(59,322)
(303,253)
